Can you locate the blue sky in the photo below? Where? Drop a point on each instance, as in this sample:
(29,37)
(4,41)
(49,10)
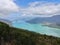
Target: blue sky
(14,9)
(25,2)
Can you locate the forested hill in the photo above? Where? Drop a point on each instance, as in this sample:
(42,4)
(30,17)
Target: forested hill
(14,36)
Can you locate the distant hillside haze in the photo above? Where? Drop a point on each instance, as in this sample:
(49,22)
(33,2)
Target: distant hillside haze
(6,21)
(53,19)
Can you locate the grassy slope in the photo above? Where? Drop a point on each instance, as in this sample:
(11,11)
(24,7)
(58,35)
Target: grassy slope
(15,36)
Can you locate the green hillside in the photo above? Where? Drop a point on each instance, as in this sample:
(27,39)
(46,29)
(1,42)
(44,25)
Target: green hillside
(14,36)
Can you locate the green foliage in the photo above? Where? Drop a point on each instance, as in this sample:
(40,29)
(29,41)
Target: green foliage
(15,36)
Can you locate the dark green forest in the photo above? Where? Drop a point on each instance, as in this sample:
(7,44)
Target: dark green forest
(14,36)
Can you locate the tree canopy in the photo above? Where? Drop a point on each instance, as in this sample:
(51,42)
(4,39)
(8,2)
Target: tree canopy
(14,36)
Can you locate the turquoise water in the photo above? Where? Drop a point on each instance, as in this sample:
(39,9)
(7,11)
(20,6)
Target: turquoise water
(38,28)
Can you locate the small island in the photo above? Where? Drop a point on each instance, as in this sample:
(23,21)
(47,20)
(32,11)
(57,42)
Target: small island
(53,25)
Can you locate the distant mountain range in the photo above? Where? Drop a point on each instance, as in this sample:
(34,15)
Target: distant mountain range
(54,19)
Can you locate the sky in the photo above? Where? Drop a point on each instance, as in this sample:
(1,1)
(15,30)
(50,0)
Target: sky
(24,9)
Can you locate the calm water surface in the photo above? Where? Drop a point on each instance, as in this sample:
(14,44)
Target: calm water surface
(38,28)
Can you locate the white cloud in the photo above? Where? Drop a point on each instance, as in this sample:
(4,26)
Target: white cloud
(44,9)
(7,7)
